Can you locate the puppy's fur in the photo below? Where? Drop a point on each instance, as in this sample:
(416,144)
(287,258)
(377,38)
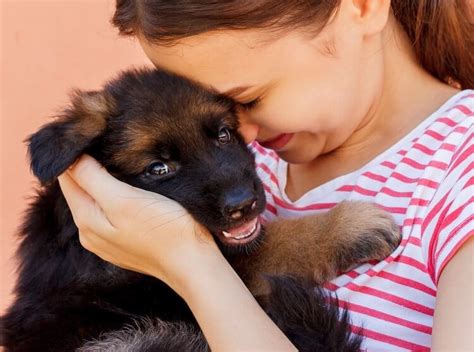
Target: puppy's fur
(165,134)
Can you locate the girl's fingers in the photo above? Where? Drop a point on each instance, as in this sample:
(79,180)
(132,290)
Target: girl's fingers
(98,183)
(85,211)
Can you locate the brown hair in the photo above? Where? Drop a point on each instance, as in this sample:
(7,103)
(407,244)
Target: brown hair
(440,31)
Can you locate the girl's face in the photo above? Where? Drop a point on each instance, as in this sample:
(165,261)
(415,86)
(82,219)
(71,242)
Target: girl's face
(300,95)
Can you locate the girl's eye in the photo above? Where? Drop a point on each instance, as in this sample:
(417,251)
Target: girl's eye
(251,104)
(223,136)
(158,168)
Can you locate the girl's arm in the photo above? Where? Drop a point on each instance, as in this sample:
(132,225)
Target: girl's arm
(453,328)
(228,314)
(146,232)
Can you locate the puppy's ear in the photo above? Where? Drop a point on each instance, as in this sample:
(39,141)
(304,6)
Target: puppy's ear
(58,144)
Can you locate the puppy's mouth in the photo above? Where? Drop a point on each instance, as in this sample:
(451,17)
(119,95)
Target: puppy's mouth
(241,234)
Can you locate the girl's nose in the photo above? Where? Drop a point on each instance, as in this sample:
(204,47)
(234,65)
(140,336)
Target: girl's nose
(247,129)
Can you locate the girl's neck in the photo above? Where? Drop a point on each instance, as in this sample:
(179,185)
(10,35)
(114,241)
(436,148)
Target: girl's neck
(410,94)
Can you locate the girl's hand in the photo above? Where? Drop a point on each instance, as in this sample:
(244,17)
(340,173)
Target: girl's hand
(133,228)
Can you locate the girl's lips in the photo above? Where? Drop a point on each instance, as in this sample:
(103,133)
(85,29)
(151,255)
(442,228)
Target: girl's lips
(278,142)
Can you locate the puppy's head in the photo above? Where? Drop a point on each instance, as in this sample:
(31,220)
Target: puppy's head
(167,135)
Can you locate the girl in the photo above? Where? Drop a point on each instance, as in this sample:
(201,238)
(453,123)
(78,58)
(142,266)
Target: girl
(348,99)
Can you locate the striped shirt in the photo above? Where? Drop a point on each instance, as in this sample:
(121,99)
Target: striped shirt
(426,181)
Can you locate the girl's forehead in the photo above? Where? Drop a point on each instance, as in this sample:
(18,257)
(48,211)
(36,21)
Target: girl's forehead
(223,59)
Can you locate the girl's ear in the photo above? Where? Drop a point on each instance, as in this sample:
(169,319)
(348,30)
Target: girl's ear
(373,14)
(58,144)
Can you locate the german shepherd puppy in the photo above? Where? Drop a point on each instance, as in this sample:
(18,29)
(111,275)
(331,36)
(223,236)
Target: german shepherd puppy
(165,134)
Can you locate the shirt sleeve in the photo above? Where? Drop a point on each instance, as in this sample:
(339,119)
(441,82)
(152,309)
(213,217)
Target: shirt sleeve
(449,221)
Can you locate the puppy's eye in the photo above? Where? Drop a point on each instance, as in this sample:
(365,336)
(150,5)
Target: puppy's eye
(224,136)
(159,168)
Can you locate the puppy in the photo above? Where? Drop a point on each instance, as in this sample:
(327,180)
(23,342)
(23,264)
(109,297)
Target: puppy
(165,134)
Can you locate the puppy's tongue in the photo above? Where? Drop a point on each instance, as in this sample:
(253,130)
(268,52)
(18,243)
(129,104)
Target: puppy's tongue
(242,230)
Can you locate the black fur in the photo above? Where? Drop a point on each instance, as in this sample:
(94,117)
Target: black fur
(66,295)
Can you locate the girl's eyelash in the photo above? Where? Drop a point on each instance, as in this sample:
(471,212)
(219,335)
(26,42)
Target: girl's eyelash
(251,104)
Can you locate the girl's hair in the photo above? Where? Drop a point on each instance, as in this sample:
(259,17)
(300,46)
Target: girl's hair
(441,31)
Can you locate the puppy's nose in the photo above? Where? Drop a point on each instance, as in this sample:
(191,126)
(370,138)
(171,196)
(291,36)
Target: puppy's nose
(238,203)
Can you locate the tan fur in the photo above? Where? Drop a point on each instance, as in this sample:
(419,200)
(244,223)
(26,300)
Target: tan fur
(93,108)
(139,141)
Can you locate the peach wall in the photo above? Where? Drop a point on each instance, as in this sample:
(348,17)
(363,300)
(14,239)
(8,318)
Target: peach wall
(47,47)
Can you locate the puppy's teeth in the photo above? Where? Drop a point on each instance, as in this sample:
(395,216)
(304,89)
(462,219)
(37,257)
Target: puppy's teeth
(226,234)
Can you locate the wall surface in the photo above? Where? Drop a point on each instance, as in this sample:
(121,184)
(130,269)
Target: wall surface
(46,48)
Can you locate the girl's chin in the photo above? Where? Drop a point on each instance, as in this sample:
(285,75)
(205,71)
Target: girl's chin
(293,157)
(297,155)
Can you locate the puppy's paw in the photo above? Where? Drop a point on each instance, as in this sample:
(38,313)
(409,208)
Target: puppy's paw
(366,231)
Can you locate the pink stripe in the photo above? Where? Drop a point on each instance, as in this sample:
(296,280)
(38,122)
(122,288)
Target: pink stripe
(267,170)
(446,219)
(428,183)
(454,215)
(403,178)
(461,148)
(419,202)
(438,164)
(266,152)
(415,240)
(447,121)
(464,109)
(455,231)
(317,206)
(259,148)
(393,210)
(424,149)
(375,177)
(448,146)
(412,262)
(469,168)
(391,298)
(267,189)
(402,152)
(421,181)
(377,336)
(389,164)
(352,274)
(397,194)
(434,211)
(407,282)
(385,317)
(440,137)
(434,135)
(413,163)
(433,163)
(433,244)
(271,209)
(357,189)
(412,221)
(330,286)
(468,153)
